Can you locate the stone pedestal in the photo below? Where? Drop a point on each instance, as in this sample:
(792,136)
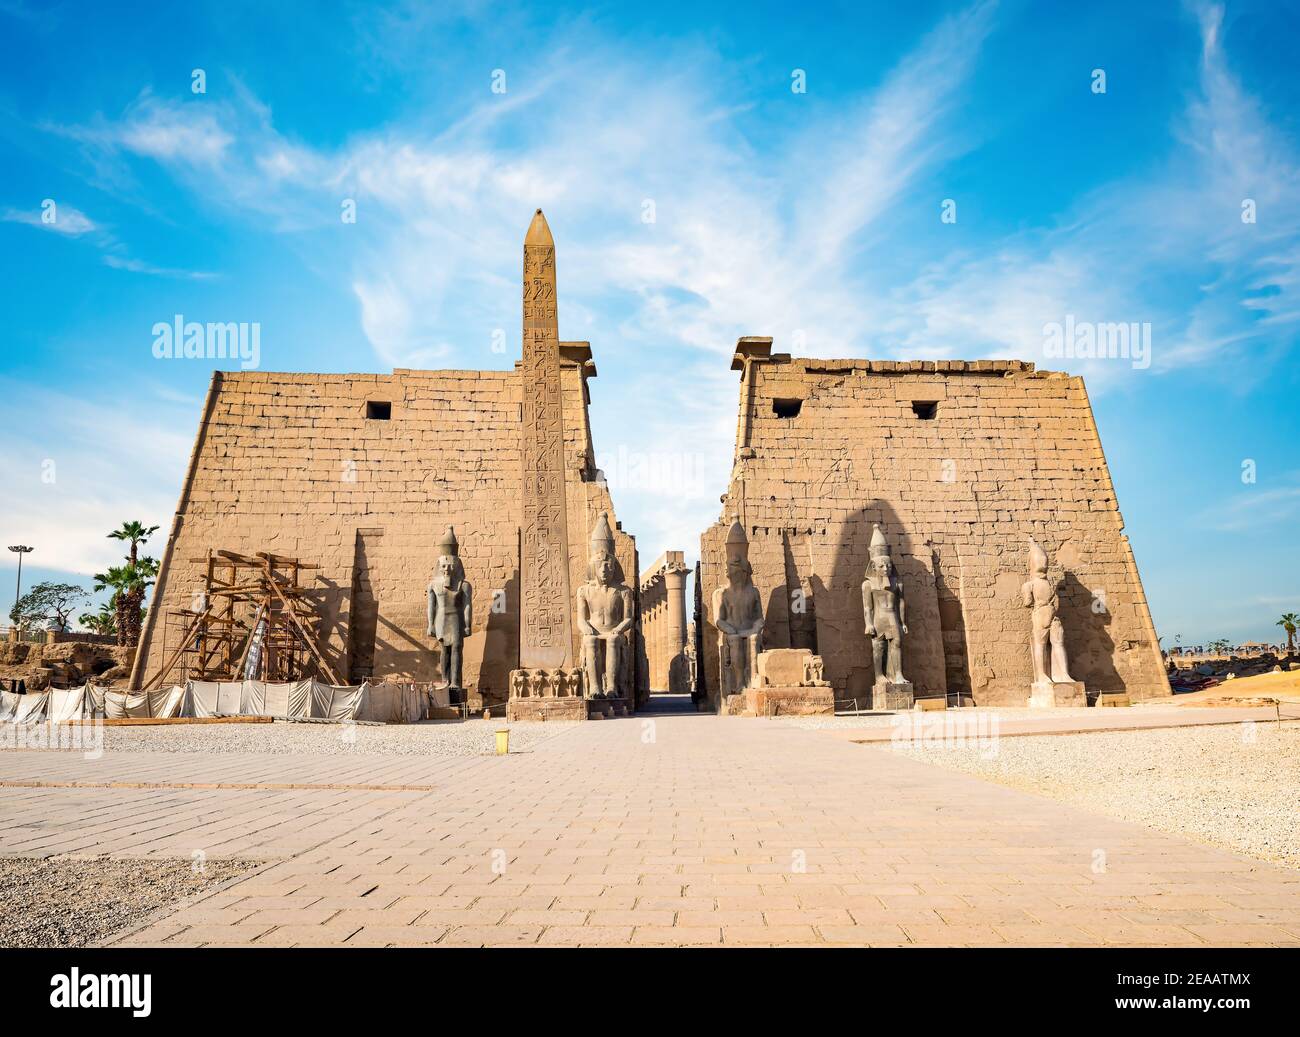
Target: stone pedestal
(888,696)
(787,682)
(783,667)
(546,709)
(794,701)
(1049,694)
(601,709)
(541,694)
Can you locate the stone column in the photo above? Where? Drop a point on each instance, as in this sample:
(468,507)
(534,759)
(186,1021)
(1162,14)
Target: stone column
(660,638)
(675,628)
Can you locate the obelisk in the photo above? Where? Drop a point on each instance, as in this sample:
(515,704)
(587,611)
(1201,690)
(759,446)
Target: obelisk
(545,628)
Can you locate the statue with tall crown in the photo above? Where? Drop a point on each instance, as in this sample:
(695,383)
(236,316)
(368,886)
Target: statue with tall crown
(450,608)
(884,610)
(1053,685)
(606,612)
(738,615)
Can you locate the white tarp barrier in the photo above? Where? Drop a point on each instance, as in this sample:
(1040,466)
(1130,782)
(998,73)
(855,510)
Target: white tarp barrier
(257,698)
(9,705)
(392,703)
(388,703)
(299,698)
(252,699)
(56,705)
(200,699)
(32,709)
(118,705)
(67,704)
(329,702)
(167,704)
(230,698)
(276,699)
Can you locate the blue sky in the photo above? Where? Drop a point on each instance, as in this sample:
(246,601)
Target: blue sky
(814,217)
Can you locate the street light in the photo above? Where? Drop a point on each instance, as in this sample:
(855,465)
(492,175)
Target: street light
(20,550)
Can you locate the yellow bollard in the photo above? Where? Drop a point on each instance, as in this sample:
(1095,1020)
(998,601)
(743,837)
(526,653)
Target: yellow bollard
(503,741)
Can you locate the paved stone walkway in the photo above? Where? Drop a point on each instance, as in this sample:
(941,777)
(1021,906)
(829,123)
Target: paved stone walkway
(680,830)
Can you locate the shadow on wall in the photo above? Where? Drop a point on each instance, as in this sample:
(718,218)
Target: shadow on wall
(640,655)
(327,601)
(841,628)
(790,612)
(952,625)
(500,634)
(799,571)
(1089,647)
(700,688)
(402,655)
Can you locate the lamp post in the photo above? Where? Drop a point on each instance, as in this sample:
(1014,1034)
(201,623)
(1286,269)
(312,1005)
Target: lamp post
(20,550)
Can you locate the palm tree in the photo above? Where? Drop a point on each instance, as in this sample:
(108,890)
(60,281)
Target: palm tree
(130,581)
(102,622)
(136,533)
(1289,622)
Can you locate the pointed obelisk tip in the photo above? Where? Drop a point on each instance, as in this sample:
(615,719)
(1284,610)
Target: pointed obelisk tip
(538,232)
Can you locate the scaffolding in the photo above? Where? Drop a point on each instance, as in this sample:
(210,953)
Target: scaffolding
(253,620)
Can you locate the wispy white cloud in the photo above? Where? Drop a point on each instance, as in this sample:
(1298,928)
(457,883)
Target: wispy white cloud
(189,133)
(1107,259)
(740,243)
(75,470)
(61,219)
(138,266)
(1256,506)
(73,223)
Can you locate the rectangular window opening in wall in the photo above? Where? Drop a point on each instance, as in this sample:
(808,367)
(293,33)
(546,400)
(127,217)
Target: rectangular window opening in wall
(926,410)
(786,408)
(379,410)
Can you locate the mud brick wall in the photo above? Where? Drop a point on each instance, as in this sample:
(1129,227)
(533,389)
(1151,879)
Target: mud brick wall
(290,463)
(1008,452)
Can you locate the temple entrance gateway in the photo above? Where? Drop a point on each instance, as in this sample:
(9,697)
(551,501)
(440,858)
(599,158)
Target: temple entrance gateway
(869,552)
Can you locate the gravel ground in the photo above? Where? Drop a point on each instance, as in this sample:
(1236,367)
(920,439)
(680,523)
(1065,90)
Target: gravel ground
(431,738)
(1235,786)
(78,902)
(888,719)
(1001,712)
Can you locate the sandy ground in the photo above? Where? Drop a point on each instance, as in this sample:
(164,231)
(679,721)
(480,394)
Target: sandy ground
(1236,786)
(1284,686)
(75,902)
(431,738)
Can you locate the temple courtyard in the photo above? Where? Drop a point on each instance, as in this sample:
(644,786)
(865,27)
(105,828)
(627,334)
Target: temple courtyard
(670,829)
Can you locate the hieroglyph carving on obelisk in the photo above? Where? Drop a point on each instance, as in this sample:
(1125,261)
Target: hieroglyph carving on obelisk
(546,631)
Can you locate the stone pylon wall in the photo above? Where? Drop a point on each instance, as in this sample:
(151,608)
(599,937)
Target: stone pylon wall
(827,448)
(290,463)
